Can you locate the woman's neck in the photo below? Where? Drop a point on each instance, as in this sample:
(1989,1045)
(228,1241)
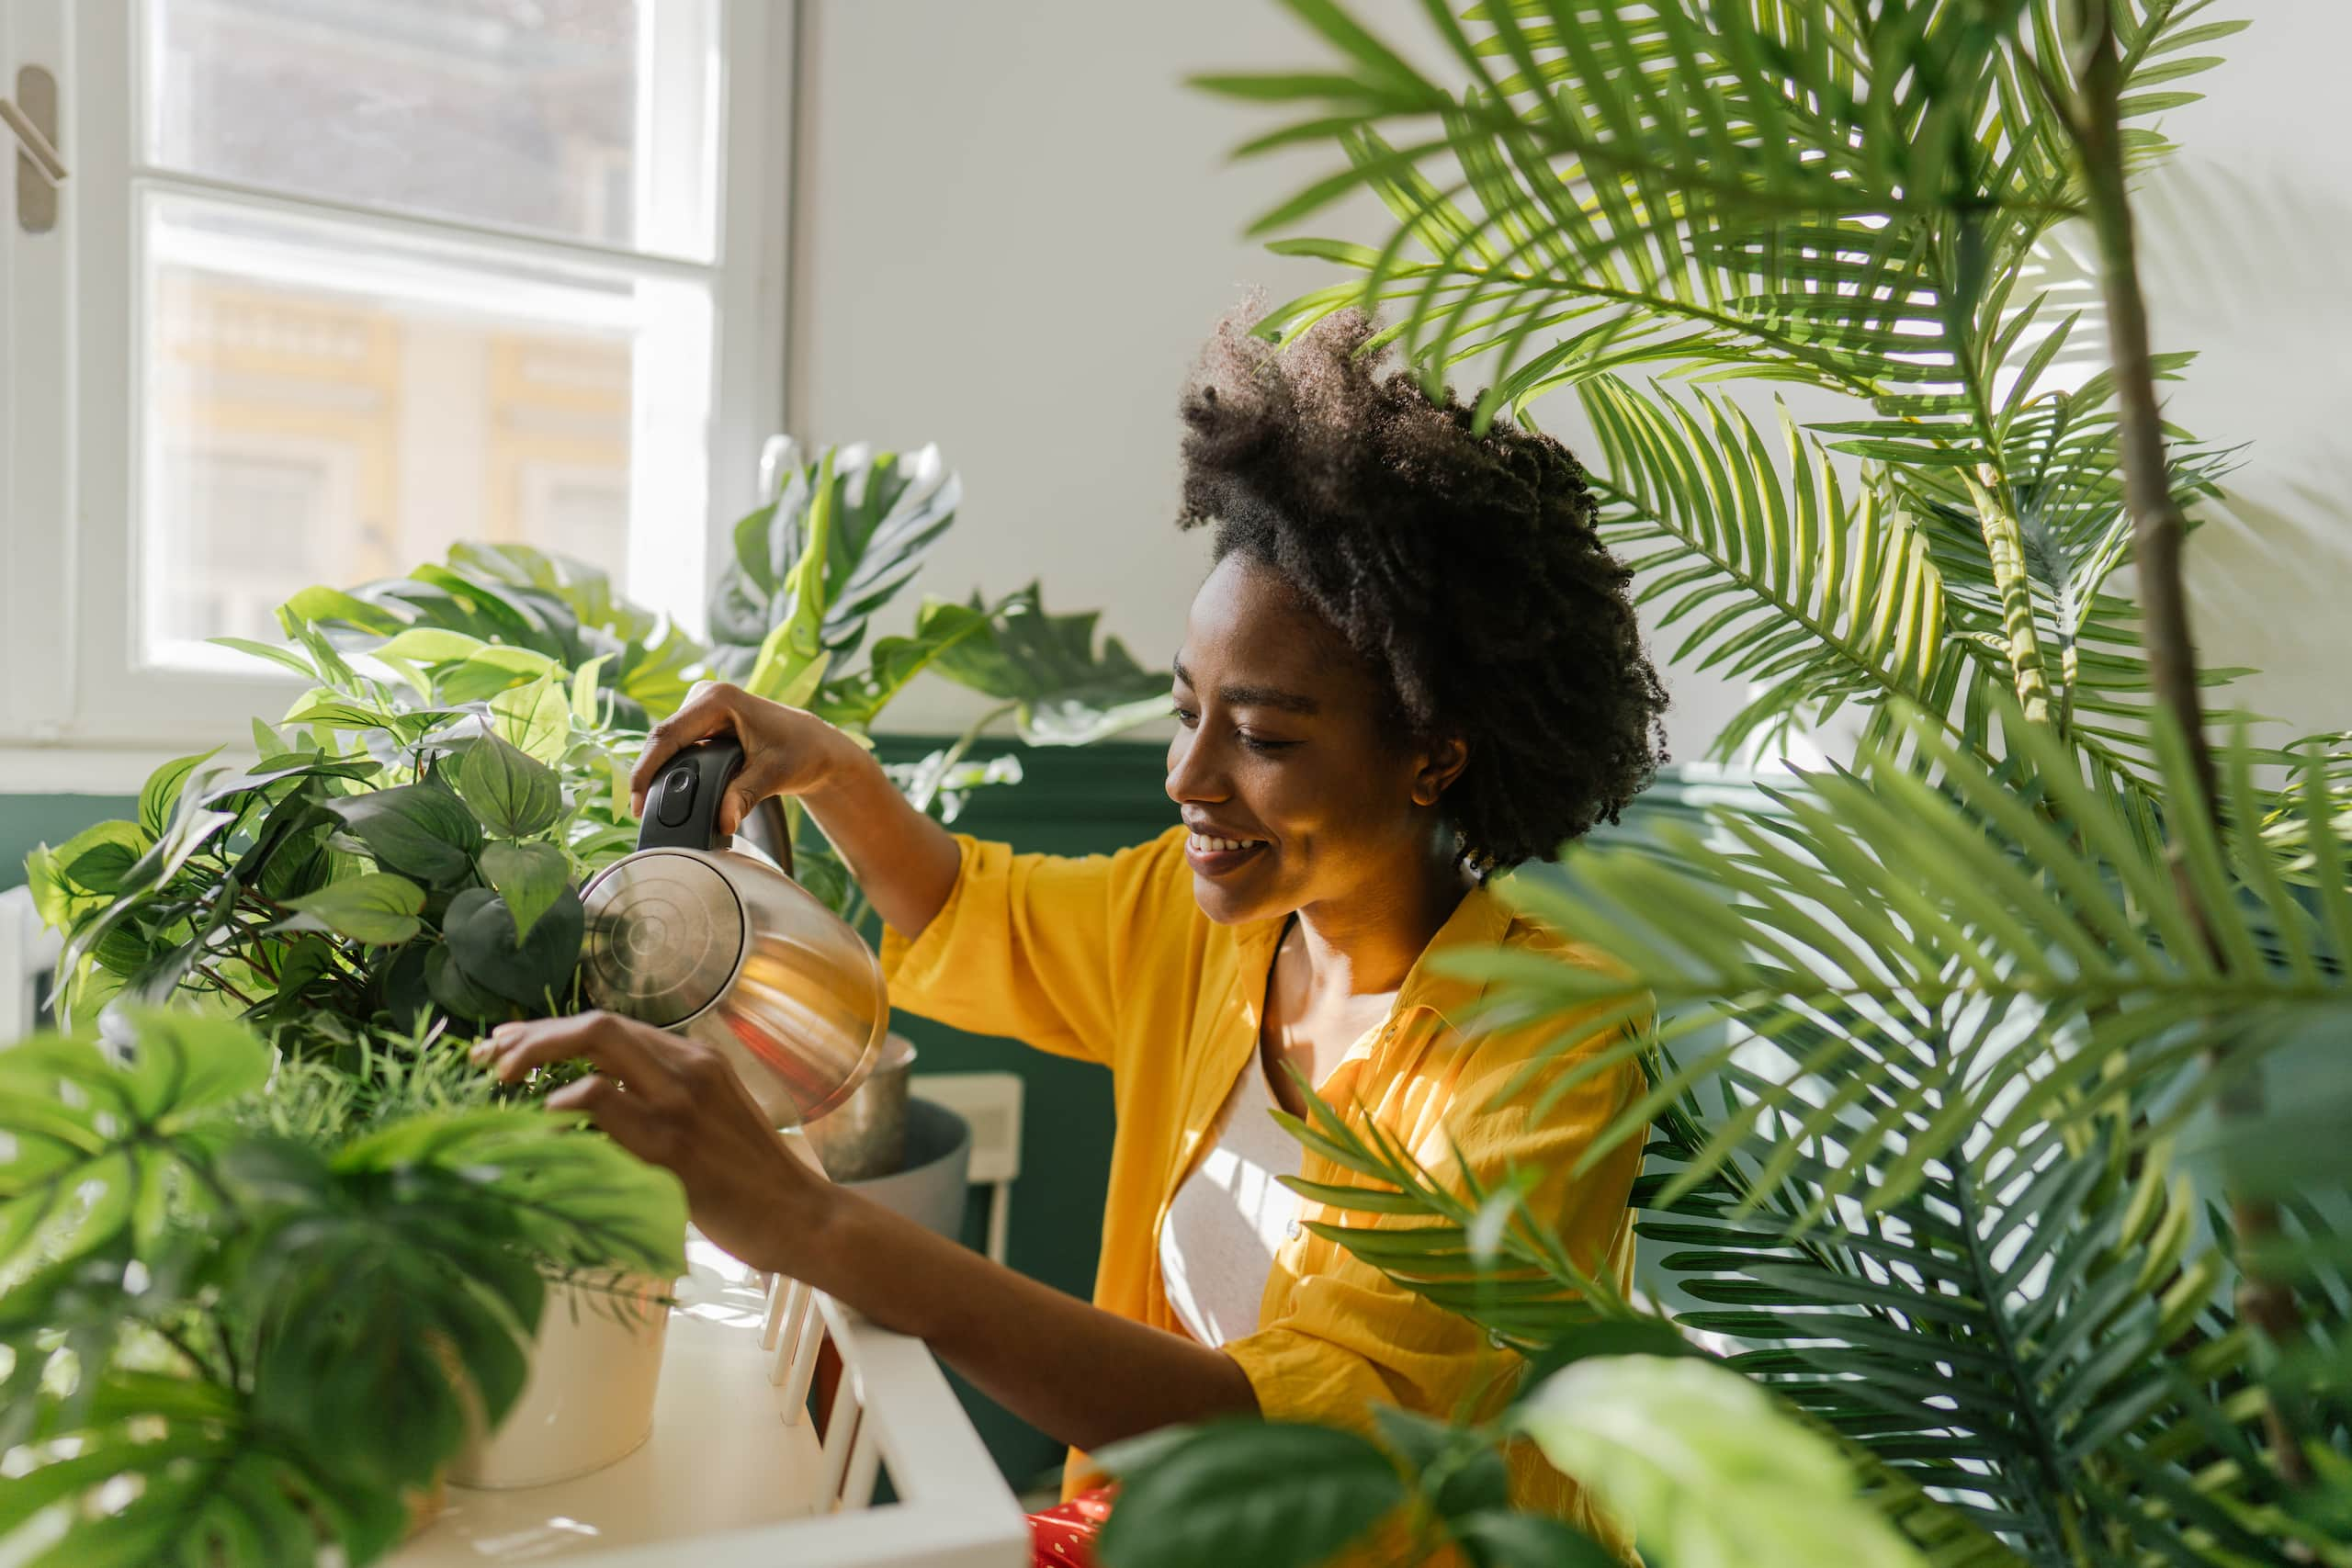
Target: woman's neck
(1366,944)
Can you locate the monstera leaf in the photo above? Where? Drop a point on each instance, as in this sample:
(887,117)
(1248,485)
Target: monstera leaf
(1066,693)
(880,515)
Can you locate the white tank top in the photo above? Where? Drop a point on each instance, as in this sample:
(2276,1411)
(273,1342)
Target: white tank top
(1230,1216)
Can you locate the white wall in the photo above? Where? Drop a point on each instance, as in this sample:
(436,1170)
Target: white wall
(1015,225)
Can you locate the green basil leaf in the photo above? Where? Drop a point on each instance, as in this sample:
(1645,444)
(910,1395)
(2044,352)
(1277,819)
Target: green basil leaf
(377,908)
(515,795)
(530,878)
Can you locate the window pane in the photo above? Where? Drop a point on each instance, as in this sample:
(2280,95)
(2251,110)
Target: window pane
(594,119)
(324,405)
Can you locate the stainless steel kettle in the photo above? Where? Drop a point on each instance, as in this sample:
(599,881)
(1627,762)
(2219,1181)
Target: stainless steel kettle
(726,947)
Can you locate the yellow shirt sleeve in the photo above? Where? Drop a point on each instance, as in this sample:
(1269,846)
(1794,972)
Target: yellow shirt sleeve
(1036,947)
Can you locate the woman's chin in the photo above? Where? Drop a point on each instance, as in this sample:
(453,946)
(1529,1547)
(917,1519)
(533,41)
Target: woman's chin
(1230,905)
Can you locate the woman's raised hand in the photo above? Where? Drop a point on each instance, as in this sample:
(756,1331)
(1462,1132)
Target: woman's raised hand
(903,862)
(787,751)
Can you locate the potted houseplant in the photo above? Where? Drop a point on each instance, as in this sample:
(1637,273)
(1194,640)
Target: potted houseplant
(216,1258)
(398,870)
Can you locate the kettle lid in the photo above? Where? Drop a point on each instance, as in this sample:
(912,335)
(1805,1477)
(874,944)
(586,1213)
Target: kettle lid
(666,933)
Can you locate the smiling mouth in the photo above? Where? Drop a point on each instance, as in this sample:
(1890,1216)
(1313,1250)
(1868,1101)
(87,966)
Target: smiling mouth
(1212,856)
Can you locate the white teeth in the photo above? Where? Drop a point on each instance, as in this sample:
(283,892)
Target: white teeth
(1202,845)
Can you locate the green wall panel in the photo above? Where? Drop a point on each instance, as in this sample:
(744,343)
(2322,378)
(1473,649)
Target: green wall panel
(26,821)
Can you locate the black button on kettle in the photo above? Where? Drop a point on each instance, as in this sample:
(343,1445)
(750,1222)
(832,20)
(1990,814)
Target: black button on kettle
(677,797)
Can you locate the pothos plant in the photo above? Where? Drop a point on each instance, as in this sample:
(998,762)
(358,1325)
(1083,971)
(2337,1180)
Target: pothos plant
(248,1312)
(410,842)
(1968,1134)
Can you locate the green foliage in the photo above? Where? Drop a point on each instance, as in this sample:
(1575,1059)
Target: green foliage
(1946,1048)
(207,1278)
(873,516)
(1283,1496)
(1841,195)
(1700,1464)
(1704,1467)
(1063,691)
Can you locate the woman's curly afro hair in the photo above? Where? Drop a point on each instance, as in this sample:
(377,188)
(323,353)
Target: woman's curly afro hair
(1463,569)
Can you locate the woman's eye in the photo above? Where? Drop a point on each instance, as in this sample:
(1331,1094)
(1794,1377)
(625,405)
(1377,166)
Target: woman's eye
(1185,716)
(1259,743)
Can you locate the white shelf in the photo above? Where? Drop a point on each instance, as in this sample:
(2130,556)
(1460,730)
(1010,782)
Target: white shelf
(734,1472)
(723,1457)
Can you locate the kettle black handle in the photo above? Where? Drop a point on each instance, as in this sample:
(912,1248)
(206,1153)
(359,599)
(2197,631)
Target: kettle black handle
(682,808)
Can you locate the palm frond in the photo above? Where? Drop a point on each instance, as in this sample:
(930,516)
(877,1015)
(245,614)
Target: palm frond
(1785,582)
(1804,190)
(1933,970)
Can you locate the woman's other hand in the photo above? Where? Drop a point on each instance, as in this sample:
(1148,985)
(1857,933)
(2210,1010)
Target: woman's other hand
(787,751)
(674,1102)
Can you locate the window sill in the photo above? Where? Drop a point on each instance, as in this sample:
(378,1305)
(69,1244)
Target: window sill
(30,768)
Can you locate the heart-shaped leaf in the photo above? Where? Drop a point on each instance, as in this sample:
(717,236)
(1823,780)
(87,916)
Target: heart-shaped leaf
(515,795)
(528,876)
(84,873)
(531,971)
(446,984)
(536,717)
(378,909)
(420,830)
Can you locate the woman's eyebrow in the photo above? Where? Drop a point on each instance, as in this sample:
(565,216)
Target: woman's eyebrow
(1257,696)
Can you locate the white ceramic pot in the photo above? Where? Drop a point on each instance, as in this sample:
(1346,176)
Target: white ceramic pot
(588,1402)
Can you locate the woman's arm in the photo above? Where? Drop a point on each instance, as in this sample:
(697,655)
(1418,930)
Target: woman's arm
(905,862)
(1085,1376)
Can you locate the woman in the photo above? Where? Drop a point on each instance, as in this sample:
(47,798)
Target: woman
(1413,664)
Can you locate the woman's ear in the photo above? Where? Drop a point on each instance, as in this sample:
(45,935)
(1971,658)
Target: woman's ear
(1439,764)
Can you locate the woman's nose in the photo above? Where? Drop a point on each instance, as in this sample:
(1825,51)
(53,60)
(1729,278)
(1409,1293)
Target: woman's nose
(1192,771)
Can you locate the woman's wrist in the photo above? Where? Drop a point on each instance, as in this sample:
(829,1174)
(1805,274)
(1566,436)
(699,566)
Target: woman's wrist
(801,1230)
(849,776)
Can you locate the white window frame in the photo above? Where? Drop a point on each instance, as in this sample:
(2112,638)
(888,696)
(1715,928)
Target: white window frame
(79,711)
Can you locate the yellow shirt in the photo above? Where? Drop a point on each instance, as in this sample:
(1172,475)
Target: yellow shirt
(1109,959)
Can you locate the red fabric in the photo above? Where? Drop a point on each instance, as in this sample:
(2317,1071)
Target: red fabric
(1063,1537)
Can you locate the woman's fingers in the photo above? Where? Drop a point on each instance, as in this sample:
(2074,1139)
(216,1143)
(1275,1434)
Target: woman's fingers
(758,779)
(624,1118)
(639,1056)
(710,710)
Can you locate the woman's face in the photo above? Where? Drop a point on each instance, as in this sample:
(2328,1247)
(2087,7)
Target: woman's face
(1288,767)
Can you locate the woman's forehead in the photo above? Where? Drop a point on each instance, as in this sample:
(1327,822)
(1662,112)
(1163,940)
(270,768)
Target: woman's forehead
(1249,629)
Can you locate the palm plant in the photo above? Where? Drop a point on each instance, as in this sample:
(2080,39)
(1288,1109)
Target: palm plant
(1935,1037)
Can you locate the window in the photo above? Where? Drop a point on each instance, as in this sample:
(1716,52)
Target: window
(338,283)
